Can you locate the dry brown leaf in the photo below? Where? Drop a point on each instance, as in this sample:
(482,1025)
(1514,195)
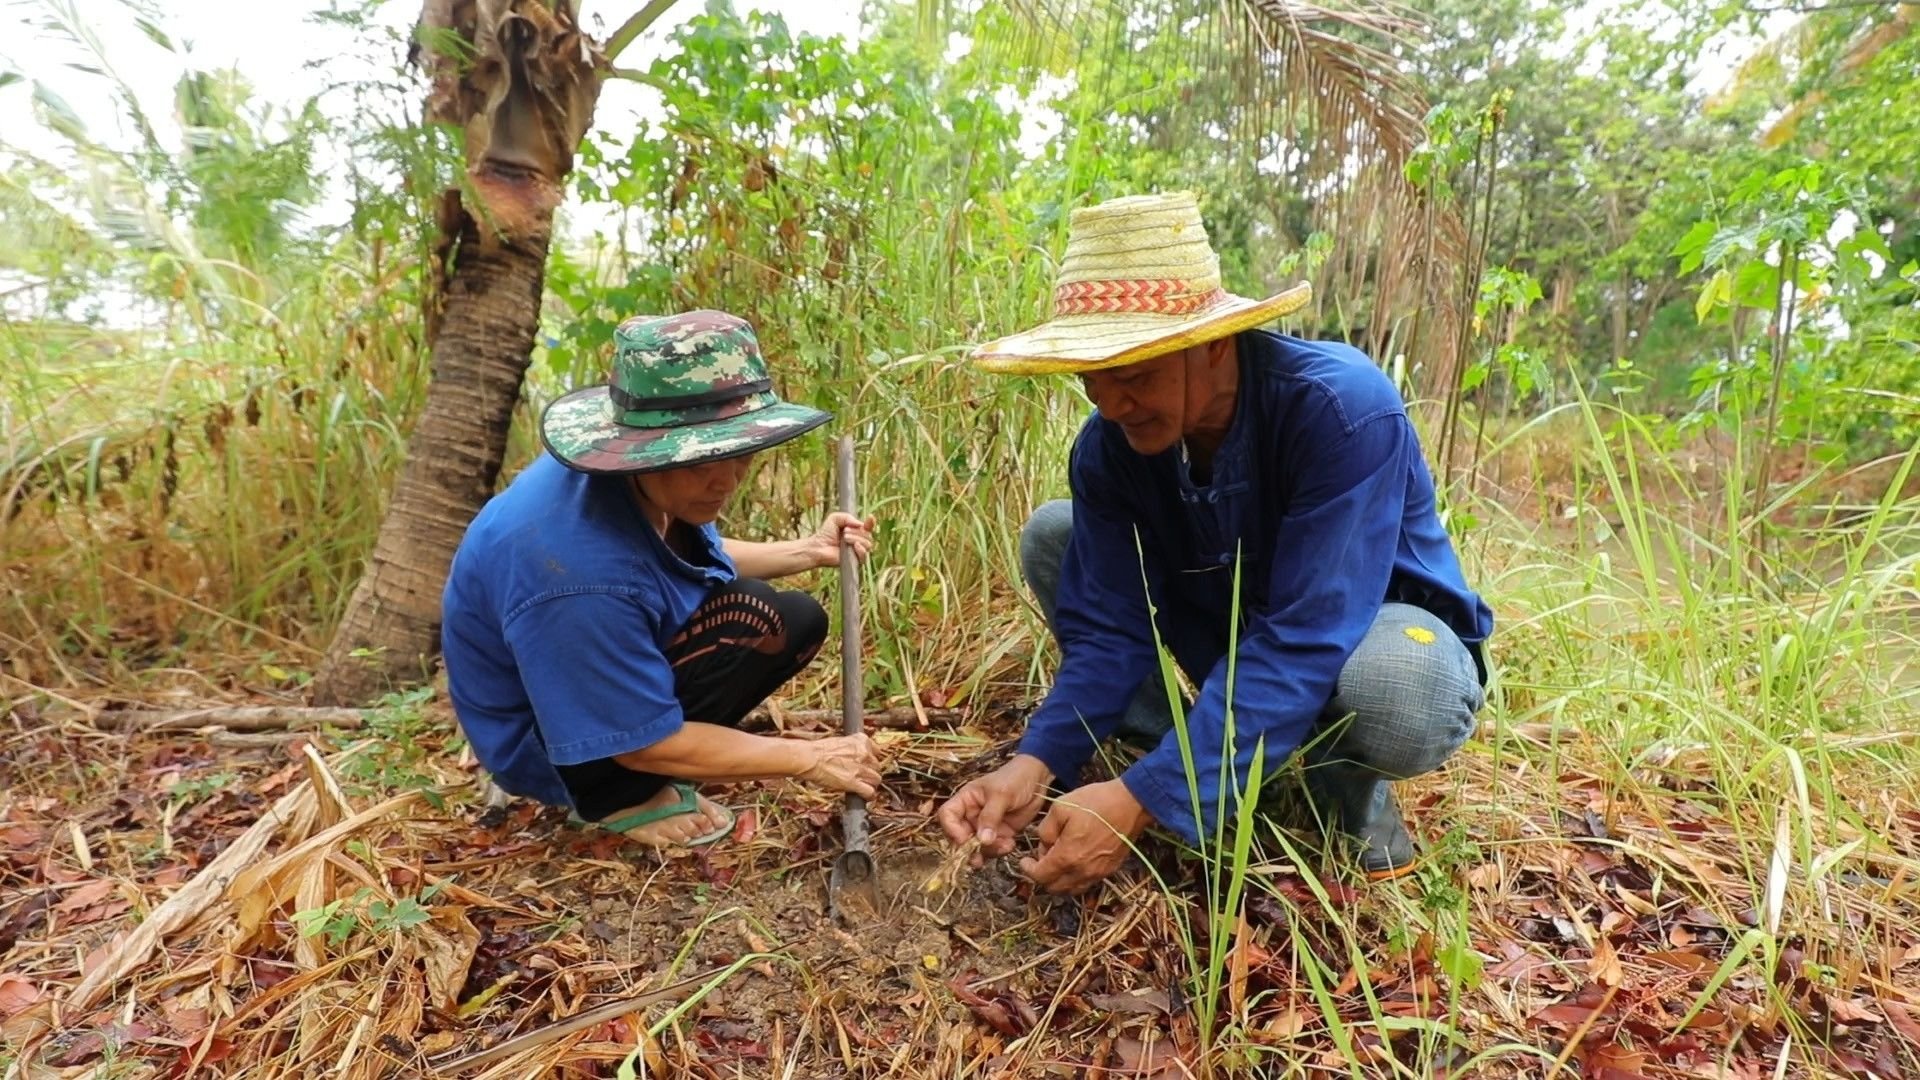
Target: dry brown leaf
(1604,967)
(1685,961)
(102,951)
(87,895)
(1133,1001)
(447,955)
(1903,1019)
(1287,1024)
(17,994)
(1485,875)
(1848,1011)
(1237,965)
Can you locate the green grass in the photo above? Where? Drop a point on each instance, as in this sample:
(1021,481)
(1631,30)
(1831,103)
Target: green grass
(1668,666)
(1746,718)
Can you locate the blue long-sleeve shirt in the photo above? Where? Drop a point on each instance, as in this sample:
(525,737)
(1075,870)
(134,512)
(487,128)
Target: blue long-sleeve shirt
(1320,488)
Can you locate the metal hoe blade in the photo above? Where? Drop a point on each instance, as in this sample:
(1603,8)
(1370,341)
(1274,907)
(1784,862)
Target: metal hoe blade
(853,886)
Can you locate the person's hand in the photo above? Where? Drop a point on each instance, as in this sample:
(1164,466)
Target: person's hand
(1086,837)
(843,763)
(995,807)
(840,528)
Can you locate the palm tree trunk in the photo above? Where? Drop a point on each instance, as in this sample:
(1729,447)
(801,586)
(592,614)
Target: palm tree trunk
(486,324)
(522,84)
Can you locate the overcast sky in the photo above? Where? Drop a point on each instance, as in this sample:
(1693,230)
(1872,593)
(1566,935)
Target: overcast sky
(288,57)
(285,54)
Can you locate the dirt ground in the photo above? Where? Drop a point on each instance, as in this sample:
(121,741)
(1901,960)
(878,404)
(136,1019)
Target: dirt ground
(523,921)
(411,925)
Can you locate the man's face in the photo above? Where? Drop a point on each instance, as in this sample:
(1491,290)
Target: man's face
(1150,400)
(696,494)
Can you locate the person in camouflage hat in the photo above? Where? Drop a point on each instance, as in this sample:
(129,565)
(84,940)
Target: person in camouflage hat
(602,640)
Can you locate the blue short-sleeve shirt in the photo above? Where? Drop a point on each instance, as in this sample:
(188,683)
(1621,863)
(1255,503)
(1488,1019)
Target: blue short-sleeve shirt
(554,624)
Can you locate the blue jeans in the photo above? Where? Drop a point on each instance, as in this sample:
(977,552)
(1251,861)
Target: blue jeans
(1405,701)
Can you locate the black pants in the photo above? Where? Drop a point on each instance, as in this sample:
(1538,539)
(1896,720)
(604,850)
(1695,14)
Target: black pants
(744,641)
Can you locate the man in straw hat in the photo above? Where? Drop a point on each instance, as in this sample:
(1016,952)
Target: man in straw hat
(602,640)
(1218,453)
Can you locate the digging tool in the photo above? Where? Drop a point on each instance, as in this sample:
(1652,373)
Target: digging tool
(854,875)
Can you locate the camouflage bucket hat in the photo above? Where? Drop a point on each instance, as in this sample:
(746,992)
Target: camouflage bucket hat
(686,389)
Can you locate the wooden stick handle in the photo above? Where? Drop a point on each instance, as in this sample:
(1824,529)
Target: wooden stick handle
(852,697)
(852,692)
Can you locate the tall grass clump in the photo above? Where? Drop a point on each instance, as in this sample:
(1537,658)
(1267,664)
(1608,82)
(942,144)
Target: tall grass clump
(203,392)
(202,494)
(860,209)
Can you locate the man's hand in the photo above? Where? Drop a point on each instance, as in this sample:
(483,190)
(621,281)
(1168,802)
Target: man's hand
(996,806)
(823,547)
(1085,837)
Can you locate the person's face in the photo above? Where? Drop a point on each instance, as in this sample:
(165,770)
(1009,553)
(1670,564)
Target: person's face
(696,494)
(1153,401)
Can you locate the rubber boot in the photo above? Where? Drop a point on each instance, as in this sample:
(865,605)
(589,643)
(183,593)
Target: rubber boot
(1360,805)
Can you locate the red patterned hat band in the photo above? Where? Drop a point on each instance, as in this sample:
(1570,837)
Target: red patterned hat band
(1135,296)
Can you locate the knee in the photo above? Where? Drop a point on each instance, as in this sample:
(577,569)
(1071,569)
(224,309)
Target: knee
(1043,543)
(1412,693)
(805,622)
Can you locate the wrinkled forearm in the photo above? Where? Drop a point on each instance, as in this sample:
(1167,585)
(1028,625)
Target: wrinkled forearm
(712,752)
(766,561)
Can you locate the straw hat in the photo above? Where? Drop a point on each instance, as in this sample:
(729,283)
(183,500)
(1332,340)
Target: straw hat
(1139,280)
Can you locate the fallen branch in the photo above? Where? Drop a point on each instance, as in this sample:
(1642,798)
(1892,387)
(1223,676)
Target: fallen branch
(312,718)
(231,718)
(252,740)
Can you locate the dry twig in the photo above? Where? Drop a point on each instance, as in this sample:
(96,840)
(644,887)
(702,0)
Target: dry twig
(560,1029)
(314,718)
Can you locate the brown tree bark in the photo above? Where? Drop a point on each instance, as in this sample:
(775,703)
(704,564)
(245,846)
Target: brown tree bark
(521,83)
(391,628)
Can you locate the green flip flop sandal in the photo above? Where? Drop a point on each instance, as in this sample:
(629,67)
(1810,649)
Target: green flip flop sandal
(689,802)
